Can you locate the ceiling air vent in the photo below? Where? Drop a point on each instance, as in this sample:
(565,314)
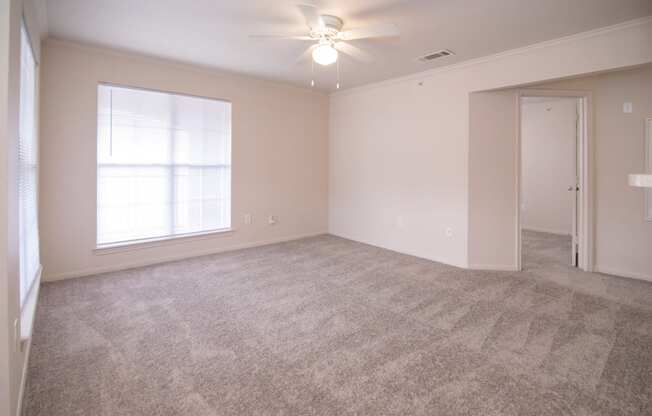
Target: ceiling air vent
(432,56)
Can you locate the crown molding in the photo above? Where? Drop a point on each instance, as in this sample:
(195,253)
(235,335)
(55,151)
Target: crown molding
(497,56)
(177,64)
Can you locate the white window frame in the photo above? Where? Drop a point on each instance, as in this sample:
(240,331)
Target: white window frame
(27,298)
(119,246)
(648,167)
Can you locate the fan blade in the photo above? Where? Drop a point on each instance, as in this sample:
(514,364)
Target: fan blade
(307,54)
(354,52)
(378,31)
(311,16)
(281,37)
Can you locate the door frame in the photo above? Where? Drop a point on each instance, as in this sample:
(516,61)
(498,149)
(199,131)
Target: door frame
(585,213)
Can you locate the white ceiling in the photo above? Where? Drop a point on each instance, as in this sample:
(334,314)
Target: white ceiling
(216,33)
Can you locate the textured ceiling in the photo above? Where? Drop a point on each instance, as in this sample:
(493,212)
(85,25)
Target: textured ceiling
(216,33)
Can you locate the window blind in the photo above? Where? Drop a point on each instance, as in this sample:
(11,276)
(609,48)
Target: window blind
(163,165)
(29,261)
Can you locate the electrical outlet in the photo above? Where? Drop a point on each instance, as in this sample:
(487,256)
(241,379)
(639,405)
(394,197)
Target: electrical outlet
(272,220)
(248,219)
(449,232)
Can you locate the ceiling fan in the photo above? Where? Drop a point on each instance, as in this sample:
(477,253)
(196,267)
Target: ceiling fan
(329,38)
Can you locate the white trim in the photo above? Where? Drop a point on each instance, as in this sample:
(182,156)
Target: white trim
(124,266)
(182,65)
(114,246)
(622,273)
(647,193)
(28,309)
(27,317)
(132,245)
(495,267)
(545,230)
(159,91)
(517,185)
(28,34)
(23,381)
(489,58)
(586,168)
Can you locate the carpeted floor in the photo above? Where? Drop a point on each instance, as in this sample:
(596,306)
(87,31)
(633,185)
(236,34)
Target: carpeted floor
(326,326)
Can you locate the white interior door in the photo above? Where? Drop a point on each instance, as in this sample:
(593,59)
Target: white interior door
(575,188)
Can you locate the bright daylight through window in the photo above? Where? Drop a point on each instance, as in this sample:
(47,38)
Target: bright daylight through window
(30,263)
(163,165)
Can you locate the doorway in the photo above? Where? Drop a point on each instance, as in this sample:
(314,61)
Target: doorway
(553,202)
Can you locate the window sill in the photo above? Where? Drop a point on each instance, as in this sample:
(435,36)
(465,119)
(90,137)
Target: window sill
(158,242)
(28,312)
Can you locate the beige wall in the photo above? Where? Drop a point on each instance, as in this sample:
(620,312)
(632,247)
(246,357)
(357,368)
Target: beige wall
(623,239)
(548,142)
(492,208)
(395,169)
(403,159)
(280,151)
(12,359)
(399,150)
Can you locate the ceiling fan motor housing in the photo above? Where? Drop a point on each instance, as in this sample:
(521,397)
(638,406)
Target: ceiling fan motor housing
(332,22)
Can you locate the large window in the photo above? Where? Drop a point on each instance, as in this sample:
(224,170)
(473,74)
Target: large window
(29,262)
(163,165)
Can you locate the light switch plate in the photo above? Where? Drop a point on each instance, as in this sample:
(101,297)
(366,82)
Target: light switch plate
(628,107)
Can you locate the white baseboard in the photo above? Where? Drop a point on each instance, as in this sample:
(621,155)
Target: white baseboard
(546,230)
(496,267)
(125,266)
(622,273)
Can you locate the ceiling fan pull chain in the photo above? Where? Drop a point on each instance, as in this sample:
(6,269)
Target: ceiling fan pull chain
(312,73)
(337,85)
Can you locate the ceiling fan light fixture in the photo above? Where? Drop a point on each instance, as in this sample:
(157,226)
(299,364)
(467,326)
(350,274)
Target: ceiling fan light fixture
(325,54)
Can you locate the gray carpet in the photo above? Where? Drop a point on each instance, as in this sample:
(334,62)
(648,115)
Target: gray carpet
(326,326)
